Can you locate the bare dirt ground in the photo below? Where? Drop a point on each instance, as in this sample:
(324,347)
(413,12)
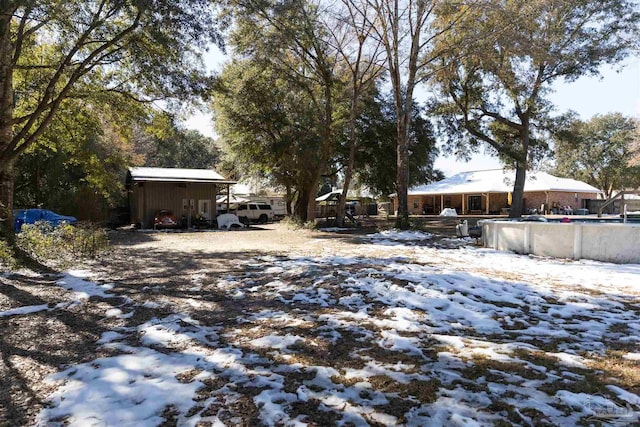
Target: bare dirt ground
(270,281)
(33,346)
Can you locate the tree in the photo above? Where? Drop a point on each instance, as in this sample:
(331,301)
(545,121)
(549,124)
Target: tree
(359,52)
(287,41)
(52,50)
(270,128)
(78,165)
(598,152)
(376,134)
(164,143)
(404,27)
(508,55)
(80,161)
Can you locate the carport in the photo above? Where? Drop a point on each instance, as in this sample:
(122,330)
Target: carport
(186,192)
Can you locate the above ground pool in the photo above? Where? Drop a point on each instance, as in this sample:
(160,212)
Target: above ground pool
(596,239)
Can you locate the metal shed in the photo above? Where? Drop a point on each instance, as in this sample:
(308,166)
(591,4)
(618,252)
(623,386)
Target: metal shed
(186,192)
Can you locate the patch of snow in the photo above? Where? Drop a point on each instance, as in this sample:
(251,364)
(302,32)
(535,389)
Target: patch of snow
(24,310)
(78,282)
(631,356)
(129,389)
(570,360)
(279,342)
(400,236)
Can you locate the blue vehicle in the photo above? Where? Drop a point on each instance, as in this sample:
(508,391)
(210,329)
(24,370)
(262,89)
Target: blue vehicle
(31,216)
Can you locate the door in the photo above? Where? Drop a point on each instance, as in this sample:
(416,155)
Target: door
(188,208)
(475,203)
(204,209)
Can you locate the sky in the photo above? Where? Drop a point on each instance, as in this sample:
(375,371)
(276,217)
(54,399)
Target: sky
(616,90)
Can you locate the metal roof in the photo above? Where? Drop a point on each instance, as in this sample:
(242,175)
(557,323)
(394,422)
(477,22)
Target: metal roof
(141,174)
(501,181)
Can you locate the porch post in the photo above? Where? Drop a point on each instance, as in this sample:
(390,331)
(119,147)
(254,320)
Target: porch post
(228,197)
(487,207)
(462,213)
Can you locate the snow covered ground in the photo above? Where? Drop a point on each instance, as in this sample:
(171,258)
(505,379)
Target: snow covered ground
(394,331)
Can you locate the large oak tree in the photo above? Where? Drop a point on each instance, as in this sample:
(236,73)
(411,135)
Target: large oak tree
(288,43)
(509,53)
(599,151)
(52,50)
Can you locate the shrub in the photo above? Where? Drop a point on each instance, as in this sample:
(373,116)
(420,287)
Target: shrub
(296,224)
(7,257)
(63,244)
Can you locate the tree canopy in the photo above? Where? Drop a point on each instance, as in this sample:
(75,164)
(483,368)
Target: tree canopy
(599,151)
(508,53)
(51,51)
(376,134)
(284,47)
(269,128)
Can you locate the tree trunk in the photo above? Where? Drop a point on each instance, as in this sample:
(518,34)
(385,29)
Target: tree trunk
(6,131)
(517,199)
(312,192)
(402,177)
(300,208)
(522,163)
(340,210)
(6,203)
(288,200)
(305,207)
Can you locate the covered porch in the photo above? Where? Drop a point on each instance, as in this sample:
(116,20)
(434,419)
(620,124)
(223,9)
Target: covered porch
(465,204)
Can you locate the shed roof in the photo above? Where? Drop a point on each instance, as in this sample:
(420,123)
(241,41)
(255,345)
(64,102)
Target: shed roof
(139,174)
(501,181)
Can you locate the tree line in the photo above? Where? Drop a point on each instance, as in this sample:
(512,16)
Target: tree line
(312,89)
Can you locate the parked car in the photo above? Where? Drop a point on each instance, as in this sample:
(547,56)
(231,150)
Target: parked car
(255,212)
(164,218)
(31,216)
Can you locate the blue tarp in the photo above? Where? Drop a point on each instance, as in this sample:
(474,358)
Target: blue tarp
(31,216)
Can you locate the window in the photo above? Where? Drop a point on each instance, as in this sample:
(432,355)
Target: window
(242,207)
(475,203)
(253,207)
(264,207)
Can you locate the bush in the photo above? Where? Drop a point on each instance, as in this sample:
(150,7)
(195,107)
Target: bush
(63,244)
(296,224)
(7,257)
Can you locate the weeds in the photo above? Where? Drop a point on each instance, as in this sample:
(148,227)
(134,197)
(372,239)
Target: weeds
(296,224)
(63,244)
(7,257)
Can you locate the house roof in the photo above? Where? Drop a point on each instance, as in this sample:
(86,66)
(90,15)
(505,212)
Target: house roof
(177,175)
(501,181)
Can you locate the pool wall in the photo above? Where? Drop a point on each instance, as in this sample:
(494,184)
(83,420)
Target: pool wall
(609,242)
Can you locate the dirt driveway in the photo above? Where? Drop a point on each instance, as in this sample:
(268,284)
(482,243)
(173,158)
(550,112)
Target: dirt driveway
(278,327)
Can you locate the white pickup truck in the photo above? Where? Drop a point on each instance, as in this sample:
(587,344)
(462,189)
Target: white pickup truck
(255,212)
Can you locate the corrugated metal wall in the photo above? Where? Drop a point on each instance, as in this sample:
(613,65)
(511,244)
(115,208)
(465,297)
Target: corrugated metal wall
(149,197)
